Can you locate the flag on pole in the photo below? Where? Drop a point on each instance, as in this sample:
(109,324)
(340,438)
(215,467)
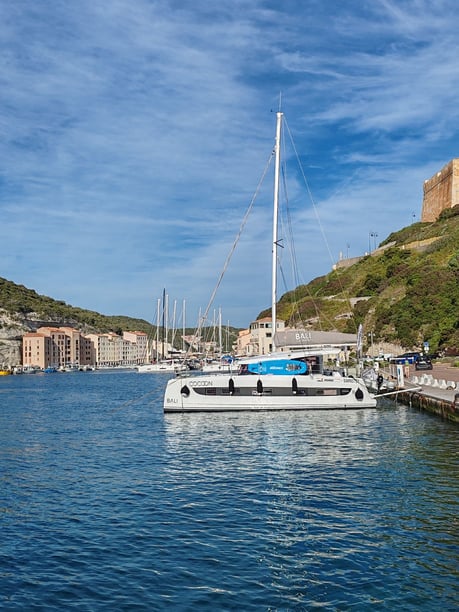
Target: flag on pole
(360,340)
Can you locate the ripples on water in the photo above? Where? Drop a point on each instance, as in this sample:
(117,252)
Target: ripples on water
(107,504)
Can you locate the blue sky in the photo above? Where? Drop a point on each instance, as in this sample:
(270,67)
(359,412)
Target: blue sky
(133,134)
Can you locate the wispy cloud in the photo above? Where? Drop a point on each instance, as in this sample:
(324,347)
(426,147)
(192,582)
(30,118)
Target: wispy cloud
(133,134)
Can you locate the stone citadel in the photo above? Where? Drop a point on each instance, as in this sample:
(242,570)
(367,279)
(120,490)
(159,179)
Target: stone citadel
(441,191)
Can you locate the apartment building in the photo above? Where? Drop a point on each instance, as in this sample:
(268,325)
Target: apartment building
(139,342)
(36,350)
(54,346)
(258,339)
(106,349)
(64,346)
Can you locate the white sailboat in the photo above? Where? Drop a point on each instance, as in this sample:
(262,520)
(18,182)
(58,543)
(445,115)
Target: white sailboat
(165,365)
(279,381)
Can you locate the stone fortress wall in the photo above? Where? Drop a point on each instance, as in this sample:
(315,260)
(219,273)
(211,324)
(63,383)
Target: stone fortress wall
(441,191)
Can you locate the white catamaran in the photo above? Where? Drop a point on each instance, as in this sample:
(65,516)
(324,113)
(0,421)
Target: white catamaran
(279,381)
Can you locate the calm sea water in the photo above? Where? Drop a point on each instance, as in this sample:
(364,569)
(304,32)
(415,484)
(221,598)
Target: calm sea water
(107,504)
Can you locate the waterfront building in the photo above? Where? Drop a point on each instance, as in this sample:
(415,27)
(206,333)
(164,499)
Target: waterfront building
(55,347)
(243,342)
(62,347)
(138,349)
(36,349)
(257,340)
(106,349)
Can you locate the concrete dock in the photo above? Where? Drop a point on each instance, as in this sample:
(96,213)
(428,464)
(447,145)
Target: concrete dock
(437,391)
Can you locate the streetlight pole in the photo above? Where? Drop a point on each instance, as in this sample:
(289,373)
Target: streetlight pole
(375,235)
(371,235)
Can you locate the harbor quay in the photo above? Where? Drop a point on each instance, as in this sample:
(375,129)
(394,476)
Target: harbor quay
(436,392)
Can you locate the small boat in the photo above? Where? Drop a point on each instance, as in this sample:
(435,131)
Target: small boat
(279,381)
(5,372)
(225,364)
(169,365)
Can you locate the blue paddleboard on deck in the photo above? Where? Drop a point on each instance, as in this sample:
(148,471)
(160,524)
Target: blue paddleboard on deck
(279,367)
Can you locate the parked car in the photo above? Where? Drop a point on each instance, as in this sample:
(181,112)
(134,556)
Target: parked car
(423,364)
(406,358)
(412,356)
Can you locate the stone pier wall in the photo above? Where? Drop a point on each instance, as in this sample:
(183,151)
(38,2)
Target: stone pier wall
(440,407)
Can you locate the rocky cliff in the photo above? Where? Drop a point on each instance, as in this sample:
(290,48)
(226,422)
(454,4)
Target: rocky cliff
(12,327)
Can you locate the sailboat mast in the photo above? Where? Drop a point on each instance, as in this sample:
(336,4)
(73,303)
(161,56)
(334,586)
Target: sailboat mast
(220,348)
(183,326)
(166,315)
(163,326)
(275,227)
(158,321)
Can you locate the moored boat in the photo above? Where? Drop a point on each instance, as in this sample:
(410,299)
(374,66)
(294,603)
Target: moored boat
(283,381)
(225,364)
(279,381)
(168,365)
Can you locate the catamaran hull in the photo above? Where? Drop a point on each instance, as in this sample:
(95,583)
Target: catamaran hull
(265,392)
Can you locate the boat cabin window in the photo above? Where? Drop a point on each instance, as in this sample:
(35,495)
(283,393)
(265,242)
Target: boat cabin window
(226,391)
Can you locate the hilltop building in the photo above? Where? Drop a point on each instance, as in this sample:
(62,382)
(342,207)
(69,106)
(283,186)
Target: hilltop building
(441,191)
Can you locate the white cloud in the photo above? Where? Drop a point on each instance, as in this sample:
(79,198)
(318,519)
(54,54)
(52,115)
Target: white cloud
(133,134)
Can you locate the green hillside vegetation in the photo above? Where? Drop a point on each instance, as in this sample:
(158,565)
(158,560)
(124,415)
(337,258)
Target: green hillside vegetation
(407,292)
(17,299)
(33,308)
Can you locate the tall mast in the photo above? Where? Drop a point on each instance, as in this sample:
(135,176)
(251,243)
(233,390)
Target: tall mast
(166,315)
(183,326)
(275,227)
(158,320)
(163,326)
(220,331)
